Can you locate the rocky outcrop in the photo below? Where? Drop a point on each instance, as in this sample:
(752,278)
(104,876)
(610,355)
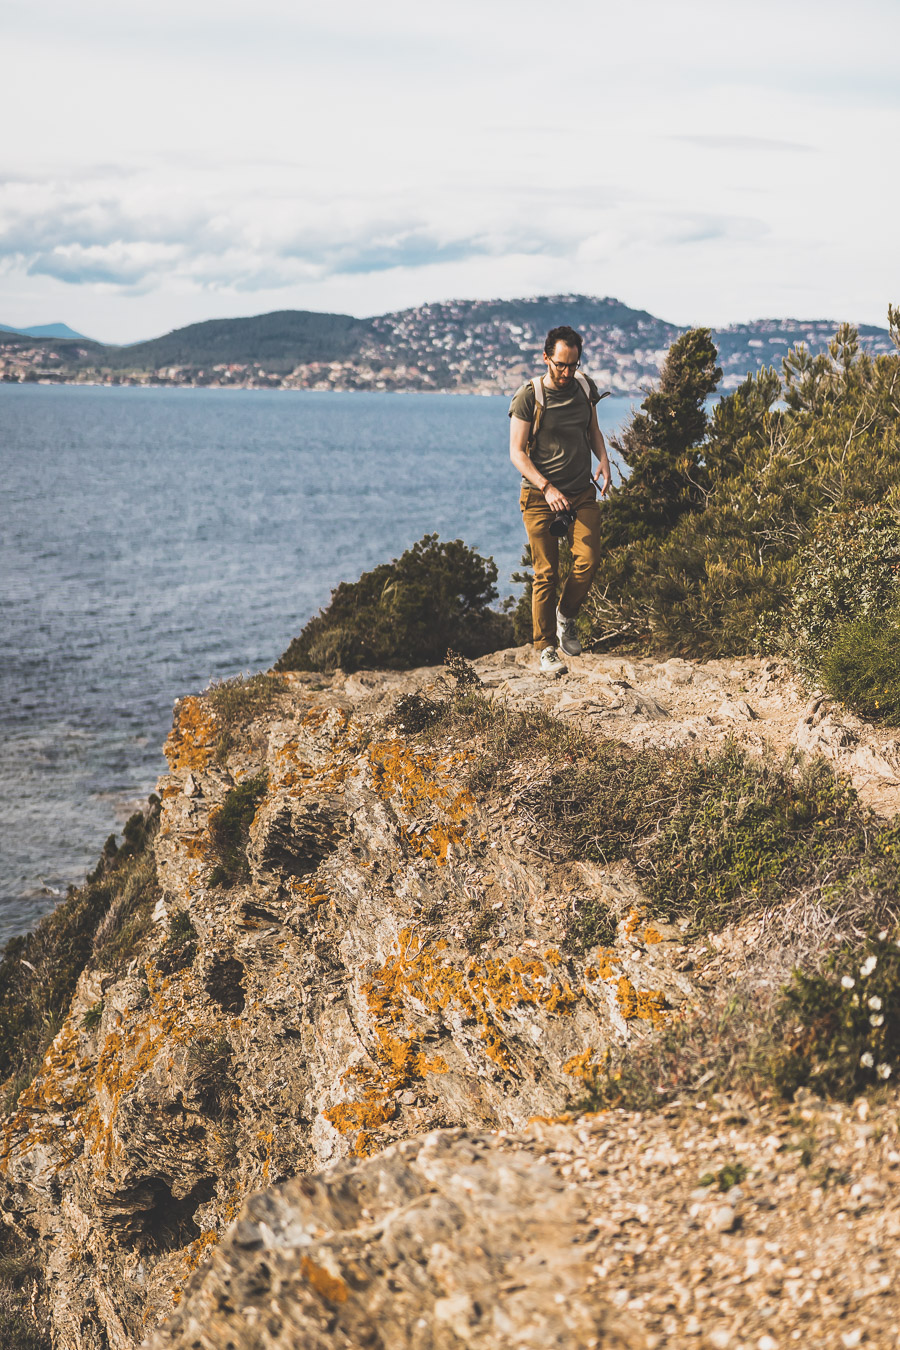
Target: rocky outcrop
(389,963)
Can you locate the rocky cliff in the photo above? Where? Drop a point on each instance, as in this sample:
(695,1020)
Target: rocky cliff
(336,1097)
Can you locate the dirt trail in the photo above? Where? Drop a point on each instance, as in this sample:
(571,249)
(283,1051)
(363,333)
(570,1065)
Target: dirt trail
(702,703)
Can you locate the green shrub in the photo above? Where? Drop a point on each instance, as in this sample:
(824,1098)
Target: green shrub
(732,1174)
(661,445)
(861,668)
(180,947)
(708,835)
(745,830)
(702,580)
(210,1064)
(591,924)
(229,830)
(841,1027)
(39,971)
(406,613)
(848,570)
(237,701)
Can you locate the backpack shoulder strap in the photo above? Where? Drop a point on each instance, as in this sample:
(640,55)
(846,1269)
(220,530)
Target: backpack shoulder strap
(537,385)
(583,381)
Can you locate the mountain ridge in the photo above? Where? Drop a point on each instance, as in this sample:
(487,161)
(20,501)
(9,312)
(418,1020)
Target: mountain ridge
(472,346)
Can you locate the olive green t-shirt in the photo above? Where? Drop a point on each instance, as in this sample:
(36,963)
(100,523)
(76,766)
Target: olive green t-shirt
(562,450)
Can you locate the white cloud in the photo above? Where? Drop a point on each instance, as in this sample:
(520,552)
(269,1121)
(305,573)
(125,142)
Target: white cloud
(695,160)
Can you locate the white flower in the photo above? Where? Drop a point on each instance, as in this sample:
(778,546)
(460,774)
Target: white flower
(868,966)
(866,1059)
(883,1070)
(877,1020)
(875,1003)
(882,935)
(848,982)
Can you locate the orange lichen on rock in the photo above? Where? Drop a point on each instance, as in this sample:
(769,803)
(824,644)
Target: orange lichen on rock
(424,787)
(579,1066)
(603,966)
(648,934)
(73,1102)
(195,845)
(330,1287)
(496,1050)
(365,1145)
(418,970)
(484,990)
(192,740)
(310,892)
(404,1059)
(632,923)
(369,1114)
(198,1249)
(59,1092)
(648,1005)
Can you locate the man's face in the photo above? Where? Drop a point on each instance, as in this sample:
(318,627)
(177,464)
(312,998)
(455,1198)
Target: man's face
(561,366)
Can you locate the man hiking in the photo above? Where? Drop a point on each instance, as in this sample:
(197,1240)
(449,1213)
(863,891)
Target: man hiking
(553,430)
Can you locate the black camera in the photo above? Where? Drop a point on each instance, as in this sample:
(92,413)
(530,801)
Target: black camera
(562,522)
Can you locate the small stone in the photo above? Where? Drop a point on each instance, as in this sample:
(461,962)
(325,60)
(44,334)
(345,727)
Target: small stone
(722,1219)
(852,1338)
(767,1342)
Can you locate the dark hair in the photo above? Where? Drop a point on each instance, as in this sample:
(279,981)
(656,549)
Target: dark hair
(564,334)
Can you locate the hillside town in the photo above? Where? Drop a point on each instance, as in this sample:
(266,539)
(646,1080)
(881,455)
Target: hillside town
(472,347)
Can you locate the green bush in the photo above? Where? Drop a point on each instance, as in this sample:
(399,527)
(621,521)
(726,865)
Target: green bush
(39,971)
(180,947)
(406,613)
(841,1027)
(744,830)
(591,924)
(848,570)
(700,580)
(662,445)
(708,835)
(862,667)
(229,830)
(237,701)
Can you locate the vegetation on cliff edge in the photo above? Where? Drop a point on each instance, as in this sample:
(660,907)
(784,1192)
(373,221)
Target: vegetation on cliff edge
(406,613)
(707,534)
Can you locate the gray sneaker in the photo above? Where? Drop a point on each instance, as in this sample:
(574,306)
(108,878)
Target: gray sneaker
(550,662)
(567,635)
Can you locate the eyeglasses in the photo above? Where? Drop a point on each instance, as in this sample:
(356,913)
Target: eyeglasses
(564,365)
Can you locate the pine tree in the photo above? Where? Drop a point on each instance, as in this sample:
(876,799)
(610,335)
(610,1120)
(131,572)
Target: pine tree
(662,445)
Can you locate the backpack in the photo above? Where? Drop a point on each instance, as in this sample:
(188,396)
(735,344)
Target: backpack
(538,386)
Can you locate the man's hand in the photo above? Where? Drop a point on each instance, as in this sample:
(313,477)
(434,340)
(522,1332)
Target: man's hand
(555,499)
(604,473)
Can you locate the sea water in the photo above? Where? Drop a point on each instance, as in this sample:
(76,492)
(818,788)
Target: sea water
(152,540)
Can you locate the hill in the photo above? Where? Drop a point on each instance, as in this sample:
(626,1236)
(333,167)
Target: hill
(44,330)
(474,346)
(277,341)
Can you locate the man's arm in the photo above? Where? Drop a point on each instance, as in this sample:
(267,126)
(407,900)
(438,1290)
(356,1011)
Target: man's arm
(598,445)
(519,431)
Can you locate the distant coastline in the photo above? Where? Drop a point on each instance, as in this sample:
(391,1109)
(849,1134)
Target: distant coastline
(467,347)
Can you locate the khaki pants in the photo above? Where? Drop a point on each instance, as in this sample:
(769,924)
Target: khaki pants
(584,541)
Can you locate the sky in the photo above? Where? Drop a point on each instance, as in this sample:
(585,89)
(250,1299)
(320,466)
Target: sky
(712,163)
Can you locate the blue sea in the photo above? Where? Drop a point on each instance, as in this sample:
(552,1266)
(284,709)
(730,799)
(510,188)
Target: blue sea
(152,540)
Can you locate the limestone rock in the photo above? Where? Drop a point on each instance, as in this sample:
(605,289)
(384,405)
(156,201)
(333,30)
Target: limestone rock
(451,1240)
